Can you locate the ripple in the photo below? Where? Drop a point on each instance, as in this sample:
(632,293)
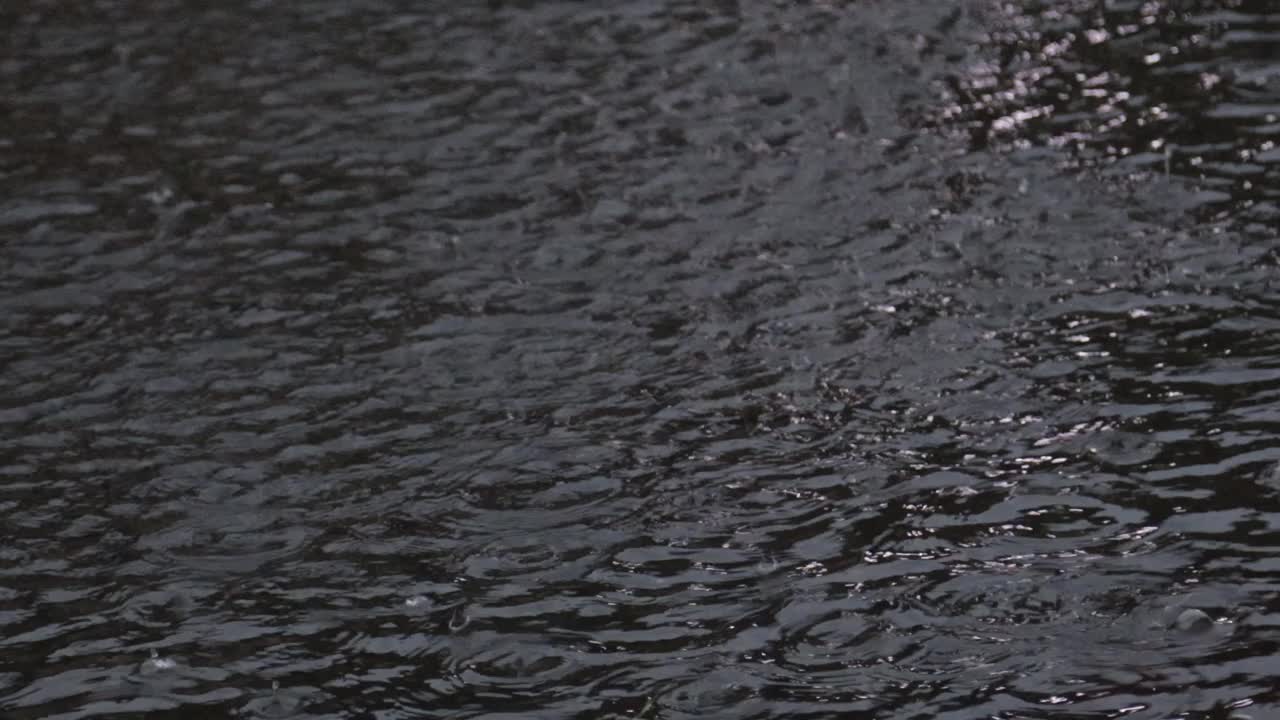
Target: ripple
(640,360)
(1143,90)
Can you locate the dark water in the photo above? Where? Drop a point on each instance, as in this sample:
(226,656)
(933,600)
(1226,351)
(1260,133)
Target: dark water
(654,359)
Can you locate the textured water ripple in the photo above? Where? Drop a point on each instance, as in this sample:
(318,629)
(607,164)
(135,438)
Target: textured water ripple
(657,361)
(1138,90)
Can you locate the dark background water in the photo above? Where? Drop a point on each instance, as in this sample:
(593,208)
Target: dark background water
(656,359)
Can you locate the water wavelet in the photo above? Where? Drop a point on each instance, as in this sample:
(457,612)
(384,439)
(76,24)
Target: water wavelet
(276,705)
(230,538)
(159,682)
(490,348)
(1137,91)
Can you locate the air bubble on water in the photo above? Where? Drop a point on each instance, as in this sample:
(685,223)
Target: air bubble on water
(416,601)
(1192,620)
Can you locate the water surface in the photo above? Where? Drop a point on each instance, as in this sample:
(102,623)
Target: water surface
(638,360)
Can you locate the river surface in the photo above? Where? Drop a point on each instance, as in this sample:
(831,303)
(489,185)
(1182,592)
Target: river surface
(653,359)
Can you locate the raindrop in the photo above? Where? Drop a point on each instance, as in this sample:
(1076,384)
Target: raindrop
(280,704)
(459,620)
(155,664)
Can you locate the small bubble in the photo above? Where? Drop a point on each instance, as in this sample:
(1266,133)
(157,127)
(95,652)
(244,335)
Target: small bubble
(1192,620)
